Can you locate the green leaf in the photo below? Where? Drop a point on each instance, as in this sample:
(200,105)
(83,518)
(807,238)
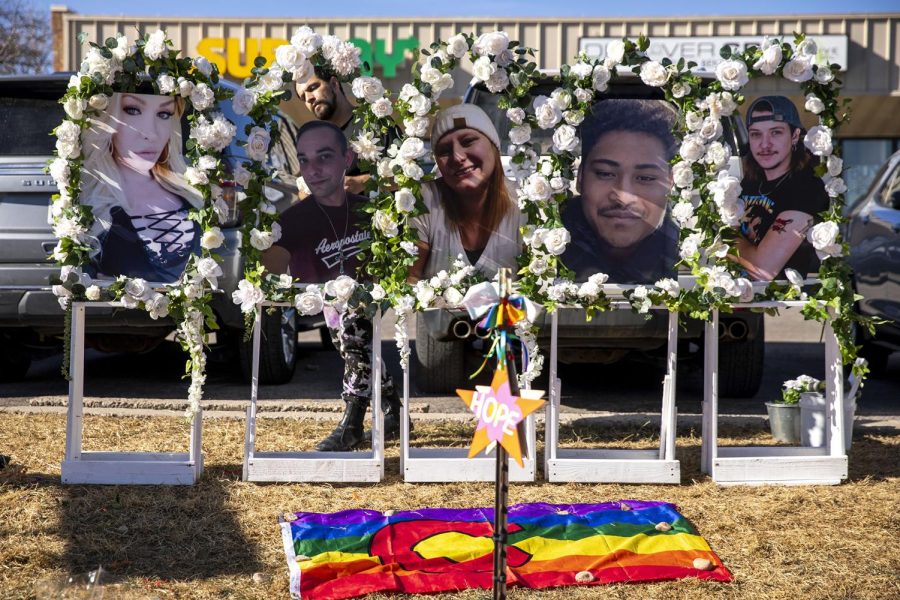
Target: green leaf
(725,52)
(259,61)
(82,37)
(111,43)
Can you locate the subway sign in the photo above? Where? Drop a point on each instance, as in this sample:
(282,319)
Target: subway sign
(231,59)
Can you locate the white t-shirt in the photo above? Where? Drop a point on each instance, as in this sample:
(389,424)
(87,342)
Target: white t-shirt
(502,250)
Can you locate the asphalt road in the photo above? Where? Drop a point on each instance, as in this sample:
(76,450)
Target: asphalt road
(630,386)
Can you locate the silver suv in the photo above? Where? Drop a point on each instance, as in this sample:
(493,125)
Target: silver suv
(31,321)
(609,336)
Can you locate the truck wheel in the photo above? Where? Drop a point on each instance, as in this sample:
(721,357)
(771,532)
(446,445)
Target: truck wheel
(440,365)
(14,359)
(277,348)
(741,362)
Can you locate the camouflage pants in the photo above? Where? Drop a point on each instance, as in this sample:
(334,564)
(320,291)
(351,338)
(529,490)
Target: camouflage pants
(351,334)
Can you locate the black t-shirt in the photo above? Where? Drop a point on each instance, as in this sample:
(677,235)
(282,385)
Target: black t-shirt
(764,203)
(321,238)
(653,258)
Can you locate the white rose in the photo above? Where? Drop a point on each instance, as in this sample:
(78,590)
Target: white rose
(483,68)
(538,265)
(562,98)
(385,224)
(212,238)
(692,148)
(565,139)
(92,292)
(185,87)
(835,187)
(289,56)
(690,246)
(493,43)
(210,270)
(166,84)
(196,176)
(669,286)
(309,302)
(744,288)
(74,107)
(272,80)
(137,288)
(419,105)
(413,170)
(717,154)
(261,240)
(203,65)
(520,134)
(243,102)
(424,294)
(207,162)
(556,240)
(546,168)
(537,188)
(589,290)
(457,46)
(680,90)
(157,306)
(808,48)
(242,175)
(583,95)
(818,140)
(517,117)
(453,297)
(823,74)
(303,72)
(835,165)
(683,214)
(693,120)
(770,60)
(258,144)
(710,129)
(59,171)
(366,146)
(823,238)
(404,200)
(382,108)
(546,112)
(306,40)
(98,102)
(794,277)
(498,81)
(411,149)
(682,174)
(192,291)
(368,88)
(284,282)
(377,292)
(615,51)
(410,248)
(814,104)
(598,278)
(155,47)
(798,70)
(581,70)
(557,292)
(654,74)
(341,288)
(732,74)
(574,117)
(416,127)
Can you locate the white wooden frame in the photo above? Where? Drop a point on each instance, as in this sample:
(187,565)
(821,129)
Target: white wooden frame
(602,465)
(757,465)
(431,465)
(340,467)
(118,468)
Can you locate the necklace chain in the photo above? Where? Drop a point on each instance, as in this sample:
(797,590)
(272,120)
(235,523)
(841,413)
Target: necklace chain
(781,180)
(341,240)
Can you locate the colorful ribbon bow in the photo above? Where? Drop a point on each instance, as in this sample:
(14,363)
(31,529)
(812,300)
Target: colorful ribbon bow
(498,315)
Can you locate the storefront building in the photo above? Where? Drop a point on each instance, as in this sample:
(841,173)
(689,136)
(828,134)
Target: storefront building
(867,45)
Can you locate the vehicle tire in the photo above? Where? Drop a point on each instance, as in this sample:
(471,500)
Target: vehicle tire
(277,348)
(14,359)
(741,364)
(439,365)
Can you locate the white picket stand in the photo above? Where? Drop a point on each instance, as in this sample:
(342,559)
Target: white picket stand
(429,465)
(599,465)
(784,465)
(118,468)
(339,467)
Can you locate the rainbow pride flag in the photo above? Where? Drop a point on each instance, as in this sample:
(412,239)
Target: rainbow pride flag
(355,552)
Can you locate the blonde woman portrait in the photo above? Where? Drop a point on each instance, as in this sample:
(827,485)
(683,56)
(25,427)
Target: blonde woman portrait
(133,181)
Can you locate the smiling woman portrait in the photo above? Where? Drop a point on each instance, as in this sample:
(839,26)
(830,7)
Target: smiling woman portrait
(781,195)
(133,180)
(619,223)
(471,210)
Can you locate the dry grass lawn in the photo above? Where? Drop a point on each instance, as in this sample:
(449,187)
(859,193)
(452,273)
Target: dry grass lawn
(219,539)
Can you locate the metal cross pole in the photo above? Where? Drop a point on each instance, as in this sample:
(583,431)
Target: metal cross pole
(501,489)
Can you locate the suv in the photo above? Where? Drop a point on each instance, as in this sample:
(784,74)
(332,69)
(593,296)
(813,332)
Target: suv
(31,321)
(873,232)
(609,336)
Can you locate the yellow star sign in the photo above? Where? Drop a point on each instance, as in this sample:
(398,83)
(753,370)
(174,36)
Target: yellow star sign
(499,414)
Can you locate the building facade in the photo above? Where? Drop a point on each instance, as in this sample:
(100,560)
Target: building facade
(866,45)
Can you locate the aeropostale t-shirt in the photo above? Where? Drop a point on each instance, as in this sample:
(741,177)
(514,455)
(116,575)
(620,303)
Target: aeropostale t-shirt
(323,240)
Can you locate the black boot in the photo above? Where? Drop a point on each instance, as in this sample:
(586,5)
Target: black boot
(349,432)
(393,412)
